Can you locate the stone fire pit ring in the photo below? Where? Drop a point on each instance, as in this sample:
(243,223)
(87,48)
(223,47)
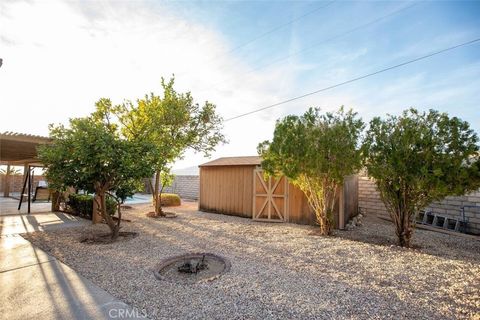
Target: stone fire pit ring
(167,269)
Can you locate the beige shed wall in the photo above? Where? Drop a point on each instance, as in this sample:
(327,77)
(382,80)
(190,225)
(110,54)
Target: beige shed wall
(227,189)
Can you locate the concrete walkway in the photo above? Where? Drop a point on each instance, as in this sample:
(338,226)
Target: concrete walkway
(34,285)
(9,206)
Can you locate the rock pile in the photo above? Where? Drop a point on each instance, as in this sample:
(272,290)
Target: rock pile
(356,221)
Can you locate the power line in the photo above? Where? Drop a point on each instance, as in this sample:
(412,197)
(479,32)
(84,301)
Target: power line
(335,37)
(274,29)
(354,79)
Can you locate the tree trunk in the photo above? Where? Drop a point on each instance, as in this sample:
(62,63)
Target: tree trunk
(114,227)
(155,190)
(55,201)
(119,206)
(97,216)
(403,229)
(325,221)
(321,197)
(404,237)
(157,201)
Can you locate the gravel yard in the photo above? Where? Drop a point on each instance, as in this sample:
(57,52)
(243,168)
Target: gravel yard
(279,270)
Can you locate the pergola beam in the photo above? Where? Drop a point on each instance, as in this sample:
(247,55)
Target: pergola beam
(18,149)
(21,149)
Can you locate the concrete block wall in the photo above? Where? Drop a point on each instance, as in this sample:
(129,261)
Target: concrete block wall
(16,182)
(451,207)
(369,197)
(369,200)
(187,187)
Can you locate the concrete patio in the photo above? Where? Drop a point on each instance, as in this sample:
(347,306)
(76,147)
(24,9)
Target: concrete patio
(35,285)
(9,206)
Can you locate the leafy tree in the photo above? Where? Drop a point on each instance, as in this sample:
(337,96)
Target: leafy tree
(171,124)
(92,156)
(417,158)
(315,151)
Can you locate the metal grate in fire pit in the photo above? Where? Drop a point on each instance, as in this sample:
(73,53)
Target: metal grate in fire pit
(192,268)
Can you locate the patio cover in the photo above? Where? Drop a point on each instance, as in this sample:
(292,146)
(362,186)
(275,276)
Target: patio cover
(19,148)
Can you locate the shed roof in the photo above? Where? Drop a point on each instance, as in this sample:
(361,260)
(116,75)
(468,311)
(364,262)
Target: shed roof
(19,148)
(234,161)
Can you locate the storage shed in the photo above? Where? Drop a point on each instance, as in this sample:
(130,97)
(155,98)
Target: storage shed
(236,186)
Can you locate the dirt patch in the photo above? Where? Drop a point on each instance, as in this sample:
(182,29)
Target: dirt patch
(166,215)
(106,238)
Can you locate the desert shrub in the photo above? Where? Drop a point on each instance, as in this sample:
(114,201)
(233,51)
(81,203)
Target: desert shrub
(82,204)
(315,152)
(170,200)
(417,158)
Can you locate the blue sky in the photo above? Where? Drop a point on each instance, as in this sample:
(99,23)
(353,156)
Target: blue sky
(413,29)
(60,57)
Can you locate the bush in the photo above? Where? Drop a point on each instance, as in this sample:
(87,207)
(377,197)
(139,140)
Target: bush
(170,200)
(82,204)
(417,158)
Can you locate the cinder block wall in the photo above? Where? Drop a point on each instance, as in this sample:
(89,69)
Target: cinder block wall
(16,182)
(187,187)
(369,197)
(451,207)
(369,200)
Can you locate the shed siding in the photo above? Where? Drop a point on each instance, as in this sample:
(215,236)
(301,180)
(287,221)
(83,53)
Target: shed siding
(299,211)
(227,189)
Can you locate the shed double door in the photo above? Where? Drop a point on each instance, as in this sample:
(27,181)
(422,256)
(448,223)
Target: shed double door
(270,197)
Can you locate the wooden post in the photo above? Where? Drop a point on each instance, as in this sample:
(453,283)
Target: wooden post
(25,170)
(29,197)
(341,208)
(6,185)
(96,216)
(200,198)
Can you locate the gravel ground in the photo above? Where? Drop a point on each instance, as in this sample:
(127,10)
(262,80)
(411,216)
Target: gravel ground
(279,270)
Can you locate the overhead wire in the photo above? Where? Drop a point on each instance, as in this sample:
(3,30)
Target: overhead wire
(268,32)
(276,28)
(335,37)
(354,79)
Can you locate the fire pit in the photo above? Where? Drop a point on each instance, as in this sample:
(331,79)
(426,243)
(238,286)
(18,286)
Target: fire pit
(192,268)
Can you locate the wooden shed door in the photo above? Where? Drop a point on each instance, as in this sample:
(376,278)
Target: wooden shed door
(269,198)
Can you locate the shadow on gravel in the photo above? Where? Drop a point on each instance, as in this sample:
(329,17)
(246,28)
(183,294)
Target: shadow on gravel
(264,264)
(379,232)
(375,231)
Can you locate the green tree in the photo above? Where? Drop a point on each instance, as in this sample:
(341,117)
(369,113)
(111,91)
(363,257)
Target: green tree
(315,151)
(92,156)
(171,124)
(417,158)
